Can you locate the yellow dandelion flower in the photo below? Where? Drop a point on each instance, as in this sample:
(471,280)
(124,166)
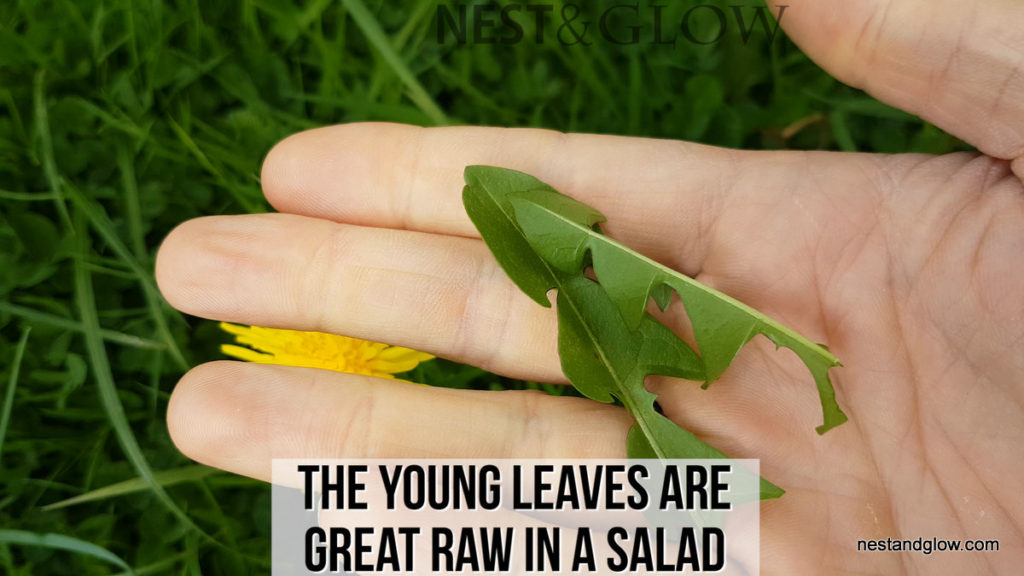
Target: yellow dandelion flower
(319,350)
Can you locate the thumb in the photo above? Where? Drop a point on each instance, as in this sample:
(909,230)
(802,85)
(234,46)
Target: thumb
(956,63)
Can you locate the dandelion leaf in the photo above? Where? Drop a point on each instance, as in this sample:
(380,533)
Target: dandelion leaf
(605,357)
(721,324)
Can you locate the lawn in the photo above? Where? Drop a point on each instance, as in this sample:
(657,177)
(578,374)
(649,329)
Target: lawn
(121,118)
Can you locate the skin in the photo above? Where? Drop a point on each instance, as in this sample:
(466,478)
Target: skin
(908,266)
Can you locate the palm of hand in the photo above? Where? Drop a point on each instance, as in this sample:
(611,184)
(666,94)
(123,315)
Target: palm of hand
(915,283)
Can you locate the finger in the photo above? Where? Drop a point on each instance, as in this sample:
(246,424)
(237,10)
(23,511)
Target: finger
(957,64)
(395,176)
(439,294)
(238,417)
(676,202)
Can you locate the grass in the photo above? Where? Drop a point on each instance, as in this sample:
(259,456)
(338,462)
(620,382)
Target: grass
(121,118)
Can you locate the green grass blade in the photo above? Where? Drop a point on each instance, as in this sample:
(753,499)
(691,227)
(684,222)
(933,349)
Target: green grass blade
(61,542)
(164,478)
(5,414)
(114,118)
(85,300)
(420,16)
(99,221)
(46,146)
(112,336)
(161,566)
(27,196)
(248,204)
(133,211)
(841,131)
(373,32)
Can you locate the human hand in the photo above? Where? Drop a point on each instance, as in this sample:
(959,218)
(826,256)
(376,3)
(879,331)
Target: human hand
(909,267)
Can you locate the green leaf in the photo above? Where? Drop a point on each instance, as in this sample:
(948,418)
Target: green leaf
(627,356)
(603,356)
(486,200)
(721,324)
(624,356)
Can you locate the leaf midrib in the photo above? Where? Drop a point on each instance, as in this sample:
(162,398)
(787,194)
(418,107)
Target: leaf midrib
(624,394)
